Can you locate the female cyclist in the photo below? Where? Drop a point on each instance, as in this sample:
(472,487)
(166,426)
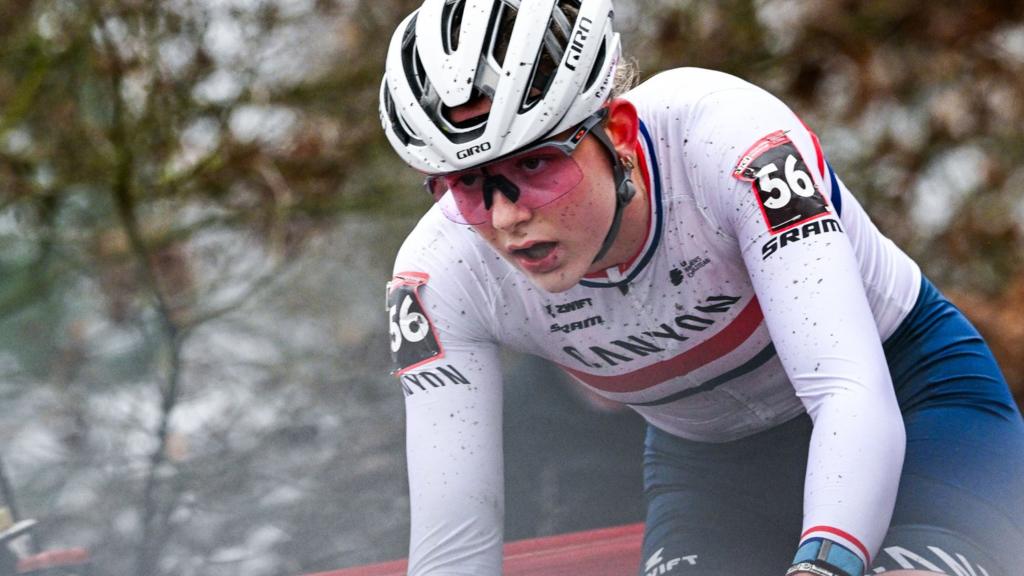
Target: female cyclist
(814,405)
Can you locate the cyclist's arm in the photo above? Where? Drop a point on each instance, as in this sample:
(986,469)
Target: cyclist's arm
(812,295)
(449,374)
(454,452)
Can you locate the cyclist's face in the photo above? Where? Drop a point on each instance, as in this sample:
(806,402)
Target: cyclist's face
(555,245)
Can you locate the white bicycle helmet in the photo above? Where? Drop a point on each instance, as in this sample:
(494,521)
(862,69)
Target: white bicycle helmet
(557,68)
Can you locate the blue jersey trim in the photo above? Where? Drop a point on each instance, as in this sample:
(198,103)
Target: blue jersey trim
(658,217)
(766,354)
(837,197)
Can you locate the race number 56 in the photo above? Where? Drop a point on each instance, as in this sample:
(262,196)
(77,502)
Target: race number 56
(413,341)
(406,324)
(781,190)
(785,190)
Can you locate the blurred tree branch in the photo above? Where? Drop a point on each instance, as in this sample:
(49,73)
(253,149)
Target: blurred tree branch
(122,190)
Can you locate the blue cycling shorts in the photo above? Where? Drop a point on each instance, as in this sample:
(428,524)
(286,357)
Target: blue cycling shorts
(735,508)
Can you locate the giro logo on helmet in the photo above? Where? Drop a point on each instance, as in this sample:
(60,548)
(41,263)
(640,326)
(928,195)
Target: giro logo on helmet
(473,150)
(578,39)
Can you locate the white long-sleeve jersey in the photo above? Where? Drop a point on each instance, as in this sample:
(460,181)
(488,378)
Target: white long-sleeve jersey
(763,290)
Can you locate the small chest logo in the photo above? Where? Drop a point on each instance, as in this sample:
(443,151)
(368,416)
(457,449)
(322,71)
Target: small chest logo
(554,310)
(687,269)
(578,325)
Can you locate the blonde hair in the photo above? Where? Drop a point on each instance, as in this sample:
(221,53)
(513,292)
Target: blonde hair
(627,76)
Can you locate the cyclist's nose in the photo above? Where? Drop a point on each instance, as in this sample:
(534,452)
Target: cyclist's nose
(506,214)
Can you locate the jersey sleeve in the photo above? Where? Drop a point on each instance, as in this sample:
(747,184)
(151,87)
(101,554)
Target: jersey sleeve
(448,369)
(760,178)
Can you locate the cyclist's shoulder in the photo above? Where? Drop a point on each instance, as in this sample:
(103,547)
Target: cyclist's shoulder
(435,239)
(710,107)
(450,253)
(687,86)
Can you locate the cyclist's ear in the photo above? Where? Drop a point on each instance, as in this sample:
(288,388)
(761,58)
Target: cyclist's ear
(622,126)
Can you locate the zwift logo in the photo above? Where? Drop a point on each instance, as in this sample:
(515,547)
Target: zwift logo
(555,309)
(656,565)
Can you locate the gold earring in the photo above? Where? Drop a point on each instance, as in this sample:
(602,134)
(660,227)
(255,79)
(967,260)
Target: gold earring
(627,162)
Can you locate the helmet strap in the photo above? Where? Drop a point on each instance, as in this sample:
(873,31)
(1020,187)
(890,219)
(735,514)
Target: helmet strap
(624,189)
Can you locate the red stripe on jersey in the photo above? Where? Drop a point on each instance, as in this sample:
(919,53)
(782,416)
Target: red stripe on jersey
(842,534)
(727,340)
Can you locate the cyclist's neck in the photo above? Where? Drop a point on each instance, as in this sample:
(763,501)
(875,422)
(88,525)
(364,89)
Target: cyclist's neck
(635,226)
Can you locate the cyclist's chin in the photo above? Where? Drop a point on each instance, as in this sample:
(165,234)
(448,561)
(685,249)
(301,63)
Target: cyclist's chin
(556,273)
(555,281)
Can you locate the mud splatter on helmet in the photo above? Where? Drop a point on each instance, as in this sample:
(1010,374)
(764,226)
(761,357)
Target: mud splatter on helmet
(545,65)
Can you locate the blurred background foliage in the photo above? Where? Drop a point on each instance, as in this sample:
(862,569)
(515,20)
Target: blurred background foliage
(198,213)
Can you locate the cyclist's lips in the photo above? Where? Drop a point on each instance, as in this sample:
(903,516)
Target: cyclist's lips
(536,257)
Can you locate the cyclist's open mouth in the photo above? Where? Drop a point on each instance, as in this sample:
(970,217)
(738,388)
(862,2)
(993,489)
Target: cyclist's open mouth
(539,257)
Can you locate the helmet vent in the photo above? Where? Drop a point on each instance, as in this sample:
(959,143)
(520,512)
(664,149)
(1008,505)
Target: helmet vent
(398,125)
(504,19)
(451,19)
(596,70)
(415,75)
(421,85)
(556,39)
